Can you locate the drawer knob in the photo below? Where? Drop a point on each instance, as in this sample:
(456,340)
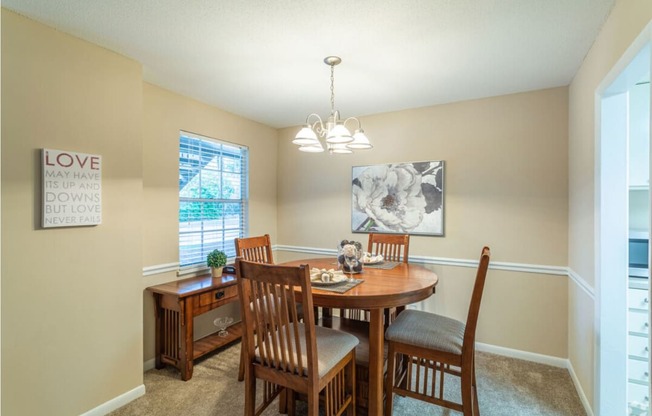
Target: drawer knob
(219,295)
(645,300)
(646,374)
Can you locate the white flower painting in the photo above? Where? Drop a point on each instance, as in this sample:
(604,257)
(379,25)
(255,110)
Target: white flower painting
(401,198)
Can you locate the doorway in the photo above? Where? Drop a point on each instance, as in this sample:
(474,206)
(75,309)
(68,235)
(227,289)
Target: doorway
(622,191)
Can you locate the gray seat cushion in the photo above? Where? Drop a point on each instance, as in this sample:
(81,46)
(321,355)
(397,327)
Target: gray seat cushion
(427,330)
(332,346)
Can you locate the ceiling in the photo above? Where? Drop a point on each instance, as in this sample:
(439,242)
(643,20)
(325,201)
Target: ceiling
(263,59)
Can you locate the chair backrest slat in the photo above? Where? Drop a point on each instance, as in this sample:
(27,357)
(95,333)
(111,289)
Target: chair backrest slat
(256,249)
(393,247)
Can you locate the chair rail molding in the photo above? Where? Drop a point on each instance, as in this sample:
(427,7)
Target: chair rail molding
(583,284)
(443,261)
(440,261)
(160,268)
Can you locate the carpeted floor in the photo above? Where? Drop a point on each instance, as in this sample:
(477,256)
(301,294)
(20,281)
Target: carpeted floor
(506,387)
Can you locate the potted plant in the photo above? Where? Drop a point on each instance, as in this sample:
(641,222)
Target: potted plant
(216,260)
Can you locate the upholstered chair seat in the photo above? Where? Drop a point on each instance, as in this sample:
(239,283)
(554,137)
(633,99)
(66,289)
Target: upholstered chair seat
(427,330)
(332,346)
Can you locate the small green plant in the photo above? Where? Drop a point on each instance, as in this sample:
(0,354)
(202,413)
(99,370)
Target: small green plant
(216,258)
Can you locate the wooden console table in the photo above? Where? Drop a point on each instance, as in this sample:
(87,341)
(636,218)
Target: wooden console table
(176,304)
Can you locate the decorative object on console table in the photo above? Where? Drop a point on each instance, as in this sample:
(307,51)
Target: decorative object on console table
(216,260)
(400,198)
(228,269)
(222,324)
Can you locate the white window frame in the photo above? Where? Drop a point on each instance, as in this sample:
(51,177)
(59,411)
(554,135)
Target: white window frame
(203,158)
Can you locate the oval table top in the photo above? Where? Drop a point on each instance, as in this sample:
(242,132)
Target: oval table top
(382,288)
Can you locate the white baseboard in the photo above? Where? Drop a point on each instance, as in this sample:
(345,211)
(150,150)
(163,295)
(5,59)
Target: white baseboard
(541,359)
(580,391)
(149,365)
(522,355)
(117,402)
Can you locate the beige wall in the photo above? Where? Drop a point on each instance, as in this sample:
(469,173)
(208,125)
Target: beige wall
(624,24)
(519,177)
(71,297)
(506,187)
(76,318)
(165,114)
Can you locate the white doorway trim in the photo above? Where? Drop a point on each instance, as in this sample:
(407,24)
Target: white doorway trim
(611,228)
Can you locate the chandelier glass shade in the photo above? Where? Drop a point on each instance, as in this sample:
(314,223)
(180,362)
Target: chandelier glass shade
(333,133)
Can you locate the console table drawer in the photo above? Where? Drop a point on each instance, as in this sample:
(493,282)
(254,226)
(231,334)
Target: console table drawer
(218,295)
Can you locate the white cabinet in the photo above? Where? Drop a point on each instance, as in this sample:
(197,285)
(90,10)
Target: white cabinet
(638,348)
(637,396)
(639,136)
(638,323)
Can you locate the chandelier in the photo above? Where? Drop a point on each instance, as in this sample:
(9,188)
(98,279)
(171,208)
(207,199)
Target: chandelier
(337,137)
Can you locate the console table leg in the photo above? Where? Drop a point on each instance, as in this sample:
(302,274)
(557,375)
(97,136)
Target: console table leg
(187,350)
(158,344)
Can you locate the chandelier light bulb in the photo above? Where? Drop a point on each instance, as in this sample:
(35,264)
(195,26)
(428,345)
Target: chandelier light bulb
(360,141)
(315,148)
(339,134)
(306,136)
(339,148)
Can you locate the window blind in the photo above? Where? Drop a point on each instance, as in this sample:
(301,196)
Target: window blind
(213,197)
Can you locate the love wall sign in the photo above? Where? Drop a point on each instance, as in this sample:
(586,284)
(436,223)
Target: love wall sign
(72,189)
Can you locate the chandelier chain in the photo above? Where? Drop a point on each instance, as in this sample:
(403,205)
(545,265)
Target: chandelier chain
(332,89)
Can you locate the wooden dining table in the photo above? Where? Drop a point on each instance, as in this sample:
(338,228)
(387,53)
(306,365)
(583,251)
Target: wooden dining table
(382,288)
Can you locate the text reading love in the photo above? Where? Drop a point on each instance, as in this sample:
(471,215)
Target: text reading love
(72,188)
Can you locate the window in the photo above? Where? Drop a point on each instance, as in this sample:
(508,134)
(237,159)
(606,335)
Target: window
(213,196)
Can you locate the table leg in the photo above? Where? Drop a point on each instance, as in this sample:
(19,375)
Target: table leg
(376,361)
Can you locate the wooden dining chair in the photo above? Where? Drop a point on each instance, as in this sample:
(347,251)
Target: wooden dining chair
(394,248)
(298,357)
(425,343)
(257,249)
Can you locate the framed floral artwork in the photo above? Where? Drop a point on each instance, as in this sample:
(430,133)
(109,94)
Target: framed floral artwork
(399,198)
